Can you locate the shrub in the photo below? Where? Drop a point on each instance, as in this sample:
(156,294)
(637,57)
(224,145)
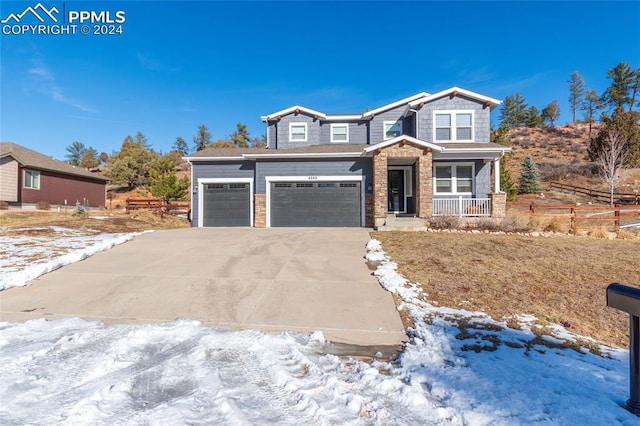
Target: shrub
(4,205)
(80,211)
(444,222)
(488,225)
(624,234)
(558,224)
(43,205)
(516,222)
(601,232)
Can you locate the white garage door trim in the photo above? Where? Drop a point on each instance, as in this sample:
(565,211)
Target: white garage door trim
(203,181)
(351,178)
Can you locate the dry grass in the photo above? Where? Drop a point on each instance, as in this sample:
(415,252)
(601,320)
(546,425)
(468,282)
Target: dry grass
(560,280)
(113,221)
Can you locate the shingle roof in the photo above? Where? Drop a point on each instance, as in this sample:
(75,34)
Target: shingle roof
(30,158)
(313,149)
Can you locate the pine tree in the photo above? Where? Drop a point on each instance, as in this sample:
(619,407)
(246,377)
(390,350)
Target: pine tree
(513,111)
(507,185)
(533,118)
(529,178)
(618,94)
(90,159)
(551,112)
(240,137)
(203,138)
(75,152)
(591,105)
(576,92)
(180,145)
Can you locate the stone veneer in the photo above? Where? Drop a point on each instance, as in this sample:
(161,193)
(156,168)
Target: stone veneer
(368,210)
(498,205)
(260,211)
(424,181)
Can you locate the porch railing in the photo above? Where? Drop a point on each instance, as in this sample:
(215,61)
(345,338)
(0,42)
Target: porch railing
(462,207)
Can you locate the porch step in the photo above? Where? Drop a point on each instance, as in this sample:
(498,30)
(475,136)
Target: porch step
(403,223)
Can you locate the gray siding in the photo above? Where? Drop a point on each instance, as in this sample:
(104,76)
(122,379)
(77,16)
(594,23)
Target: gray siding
(282,131)
(358,132)
(483,179)
(376,125)
(482,116)
(271,135)
(482,187)
(304,168)
(216,169)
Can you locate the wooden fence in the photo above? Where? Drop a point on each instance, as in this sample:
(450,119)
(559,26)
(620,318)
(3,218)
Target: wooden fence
(582,216)
(598,195)
(172,208)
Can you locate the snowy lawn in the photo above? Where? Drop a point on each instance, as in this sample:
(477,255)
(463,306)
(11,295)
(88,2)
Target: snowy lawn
(27,253)
(79,372)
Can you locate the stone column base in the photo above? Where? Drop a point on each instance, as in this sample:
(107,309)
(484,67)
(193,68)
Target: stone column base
(260,211)
(498,205)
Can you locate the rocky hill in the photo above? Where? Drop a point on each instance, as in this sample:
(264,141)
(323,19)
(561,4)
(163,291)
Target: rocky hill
(561,154)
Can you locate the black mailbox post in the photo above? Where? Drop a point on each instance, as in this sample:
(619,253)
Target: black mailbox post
(627,299)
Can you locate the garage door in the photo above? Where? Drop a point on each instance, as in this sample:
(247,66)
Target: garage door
(226,204)
(315,204)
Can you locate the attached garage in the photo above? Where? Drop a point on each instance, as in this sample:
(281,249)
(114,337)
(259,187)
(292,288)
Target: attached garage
(225,203)
(334,203)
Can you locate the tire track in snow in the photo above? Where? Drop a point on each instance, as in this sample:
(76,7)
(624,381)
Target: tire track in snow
(66,399)
(243,367)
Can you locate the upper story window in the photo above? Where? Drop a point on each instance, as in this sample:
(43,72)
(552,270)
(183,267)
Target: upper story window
(340,132)
(32,179)
(453,126)
(392,129)
(298,132)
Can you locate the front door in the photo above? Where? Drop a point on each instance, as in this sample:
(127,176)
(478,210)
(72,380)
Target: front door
(395,185)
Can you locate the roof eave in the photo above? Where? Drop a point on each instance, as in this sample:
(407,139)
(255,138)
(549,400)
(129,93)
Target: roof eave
(493,103)
(352,154)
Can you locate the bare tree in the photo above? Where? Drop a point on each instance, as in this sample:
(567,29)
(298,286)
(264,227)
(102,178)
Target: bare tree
(611,158)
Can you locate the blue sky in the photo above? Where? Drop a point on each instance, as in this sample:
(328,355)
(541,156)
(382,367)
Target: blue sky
(179,64)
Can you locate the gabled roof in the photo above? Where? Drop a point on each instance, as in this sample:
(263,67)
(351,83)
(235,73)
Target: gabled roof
(294,108)
(32,159)
(394,104)
(341,117)
(312,151)
(408,139)
(456,91)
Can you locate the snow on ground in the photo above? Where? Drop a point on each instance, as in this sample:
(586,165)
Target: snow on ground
(479,373)
(27,253)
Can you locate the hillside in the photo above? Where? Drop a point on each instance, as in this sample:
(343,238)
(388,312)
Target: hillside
(561,155)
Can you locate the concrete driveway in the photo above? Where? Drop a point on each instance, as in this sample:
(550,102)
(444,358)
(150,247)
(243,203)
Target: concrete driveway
(294,279)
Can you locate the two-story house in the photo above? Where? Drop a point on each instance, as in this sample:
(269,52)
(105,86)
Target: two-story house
(425,155)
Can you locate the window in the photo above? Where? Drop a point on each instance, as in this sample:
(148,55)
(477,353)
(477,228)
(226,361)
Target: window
(298,132)
(392,129)
(31,179)
(453,178)
(339,133)
(453,126)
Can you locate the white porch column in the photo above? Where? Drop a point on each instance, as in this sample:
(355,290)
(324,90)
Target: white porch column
(496,175)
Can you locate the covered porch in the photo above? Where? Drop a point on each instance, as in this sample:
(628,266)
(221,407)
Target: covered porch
(414,178)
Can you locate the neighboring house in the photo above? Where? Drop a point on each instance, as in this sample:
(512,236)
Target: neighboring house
(27,177)
(425,155)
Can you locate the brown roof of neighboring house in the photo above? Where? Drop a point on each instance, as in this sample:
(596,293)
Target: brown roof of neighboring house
(313,149)
(32,159)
